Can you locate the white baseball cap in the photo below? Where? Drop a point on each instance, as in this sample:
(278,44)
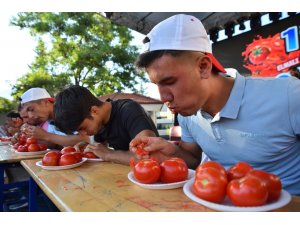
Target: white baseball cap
(181,32)
(35,94)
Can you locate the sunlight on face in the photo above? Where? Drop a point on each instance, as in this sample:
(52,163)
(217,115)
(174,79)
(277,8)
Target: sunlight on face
(179,83)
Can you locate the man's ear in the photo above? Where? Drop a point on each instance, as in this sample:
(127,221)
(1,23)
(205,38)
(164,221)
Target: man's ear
(205,66)
(94,110)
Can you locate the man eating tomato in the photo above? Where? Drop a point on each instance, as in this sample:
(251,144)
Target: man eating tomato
(255,120)
(36,109)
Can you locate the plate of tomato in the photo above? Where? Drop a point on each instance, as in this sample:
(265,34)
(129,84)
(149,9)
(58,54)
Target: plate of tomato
(227,205)
(161,185)
(39,163)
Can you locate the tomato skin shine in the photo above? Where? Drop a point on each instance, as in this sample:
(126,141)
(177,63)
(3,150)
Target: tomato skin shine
(31,140)
(147,171)
(210,184)
(238,170)
(51,158)
(67,159)
(33,148)
(247,191)
(213,164)
(68,149)
(271,181)
(173,170)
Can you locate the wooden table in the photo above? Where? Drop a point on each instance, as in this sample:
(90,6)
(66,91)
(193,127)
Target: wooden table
(8,158)
(103,186)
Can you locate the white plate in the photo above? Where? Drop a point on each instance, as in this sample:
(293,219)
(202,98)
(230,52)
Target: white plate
(227,206)
(31,153)
(5,142)
(39,163)
(93,159)
(161,185)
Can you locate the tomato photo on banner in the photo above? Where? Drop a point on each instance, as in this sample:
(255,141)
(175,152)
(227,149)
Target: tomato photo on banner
(267,50)
(272,55)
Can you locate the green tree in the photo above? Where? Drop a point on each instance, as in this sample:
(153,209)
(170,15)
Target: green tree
(80,48)
(6,105)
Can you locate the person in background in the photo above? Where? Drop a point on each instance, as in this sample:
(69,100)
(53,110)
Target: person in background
(294,71)
(255,120)
(12,124)
(114,124)
(37,111)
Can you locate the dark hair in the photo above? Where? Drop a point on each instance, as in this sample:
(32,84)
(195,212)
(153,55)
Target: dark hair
(147,58)
(13,114)
(72,106)
(293,68)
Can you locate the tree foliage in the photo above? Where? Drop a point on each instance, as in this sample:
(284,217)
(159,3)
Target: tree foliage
(80,48)
(6,105)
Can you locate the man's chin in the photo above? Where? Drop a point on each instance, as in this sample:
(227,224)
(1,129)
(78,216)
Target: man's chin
(184,114)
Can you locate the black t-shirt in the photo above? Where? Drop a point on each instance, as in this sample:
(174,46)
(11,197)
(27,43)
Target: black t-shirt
(127,119)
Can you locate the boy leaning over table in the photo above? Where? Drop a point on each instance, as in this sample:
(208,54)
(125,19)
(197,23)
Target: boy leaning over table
(114,124)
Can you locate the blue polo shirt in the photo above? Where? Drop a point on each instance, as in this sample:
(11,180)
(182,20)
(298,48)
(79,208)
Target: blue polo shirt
(260,124)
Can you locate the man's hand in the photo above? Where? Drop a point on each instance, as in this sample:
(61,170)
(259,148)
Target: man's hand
(99,149)
(158,148)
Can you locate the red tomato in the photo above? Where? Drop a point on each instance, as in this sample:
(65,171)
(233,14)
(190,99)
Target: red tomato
(67,159)
(213,164)
(210,185)
(238,170)
(147,171)
(78,156)
(51,158)
(68,149)
(247,191)
(90,155)
(33,148)
(16,146)
(22,140)
(258,54)
(43,147)
(22,148)
(140,150)
(31,140)
(271,181)
(173,170)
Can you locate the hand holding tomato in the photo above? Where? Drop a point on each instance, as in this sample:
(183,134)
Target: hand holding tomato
(99,150)
(140,151)
(157,147)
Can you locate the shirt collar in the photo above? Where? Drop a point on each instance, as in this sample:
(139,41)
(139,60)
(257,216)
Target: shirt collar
(232,106)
